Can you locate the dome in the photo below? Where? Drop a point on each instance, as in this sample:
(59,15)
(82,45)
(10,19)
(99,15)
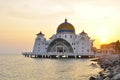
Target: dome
(65,27)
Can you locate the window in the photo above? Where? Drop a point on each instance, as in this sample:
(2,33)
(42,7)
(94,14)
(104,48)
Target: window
(88,50)
(70,36)
(46,43)
(65,36)
(39,39)
(38,43)
(82,47)
(73,43)
(55,36)
(82,50)
(82,43)
(60,36)
(82,38)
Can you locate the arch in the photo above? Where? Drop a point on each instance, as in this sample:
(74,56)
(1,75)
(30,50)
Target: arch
(58,43)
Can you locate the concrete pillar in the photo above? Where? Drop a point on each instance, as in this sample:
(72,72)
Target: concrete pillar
(75,56)
(31,56)
(35,56)
(27,55)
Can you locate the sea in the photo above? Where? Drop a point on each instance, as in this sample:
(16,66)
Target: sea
(18,67)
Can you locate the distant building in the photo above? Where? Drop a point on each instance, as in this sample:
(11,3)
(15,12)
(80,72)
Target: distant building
(96,50)
(112,48)
(65,41)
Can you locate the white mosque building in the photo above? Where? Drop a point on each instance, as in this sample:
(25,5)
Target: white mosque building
(64,43)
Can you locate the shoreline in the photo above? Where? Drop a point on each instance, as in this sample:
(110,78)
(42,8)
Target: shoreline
(110,65)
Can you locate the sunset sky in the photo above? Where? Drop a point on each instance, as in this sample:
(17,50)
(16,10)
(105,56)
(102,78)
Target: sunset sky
(21,20)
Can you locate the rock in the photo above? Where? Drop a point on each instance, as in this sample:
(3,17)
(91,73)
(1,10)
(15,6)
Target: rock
(116,77)
(110,75)
(107,78)
(92,78)
(111,68)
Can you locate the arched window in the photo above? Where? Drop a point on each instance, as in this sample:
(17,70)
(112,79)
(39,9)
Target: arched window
(38,39)
(60,36)
(65,36)
(88,50)
(82,38)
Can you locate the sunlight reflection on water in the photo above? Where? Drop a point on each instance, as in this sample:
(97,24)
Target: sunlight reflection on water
(17,67)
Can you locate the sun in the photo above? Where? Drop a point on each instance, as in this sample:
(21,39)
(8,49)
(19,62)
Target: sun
(103,40)
(103,34)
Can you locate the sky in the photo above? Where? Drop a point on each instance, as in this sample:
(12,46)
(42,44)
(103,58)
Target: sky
(21,20)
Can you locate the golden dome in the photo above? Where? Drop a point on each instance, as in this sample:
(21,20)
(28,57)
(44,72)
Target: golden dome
(65,27)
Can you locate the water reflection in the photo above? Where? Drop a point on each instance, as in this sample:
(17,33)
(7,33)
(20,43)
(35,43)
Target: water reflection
(17,67)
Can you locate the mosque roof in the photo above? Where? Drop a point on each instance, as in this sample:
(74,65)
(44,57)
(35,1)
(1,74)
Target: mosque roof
(65,27)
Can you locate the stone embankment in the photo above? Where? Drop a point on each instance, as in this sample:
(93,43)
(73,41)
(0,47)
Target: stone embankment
(111,68)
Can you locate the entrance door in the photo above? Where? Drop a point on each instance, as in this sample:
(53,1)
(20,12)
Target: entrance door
(60,49)
(60,45)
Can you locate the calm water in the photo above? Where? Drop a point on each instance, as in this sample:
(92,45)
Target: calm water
(17,67)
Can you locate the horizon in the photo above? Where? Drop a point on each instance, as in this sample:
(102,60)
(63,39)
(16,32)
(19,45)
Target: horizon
(21,20)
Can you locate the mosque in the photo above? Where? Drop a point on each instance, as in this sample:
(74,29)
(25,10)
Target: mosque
(64,43)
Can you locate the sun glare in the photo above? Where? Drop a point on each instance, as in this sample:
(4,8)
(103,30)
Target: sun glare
(103,34)
(103,40)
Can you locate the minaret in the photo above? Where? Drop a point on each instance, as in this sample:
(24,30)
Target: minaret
(38,45)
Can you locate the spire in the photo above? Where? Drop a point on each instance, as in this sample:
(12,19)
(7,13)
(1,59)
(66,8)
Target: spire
(83,32)
(40,33)
(65,20)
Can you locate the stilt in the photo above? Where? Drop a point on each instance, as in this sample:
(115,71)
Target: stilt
(27,55)
(31,56)
(57,56)
(75,56)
